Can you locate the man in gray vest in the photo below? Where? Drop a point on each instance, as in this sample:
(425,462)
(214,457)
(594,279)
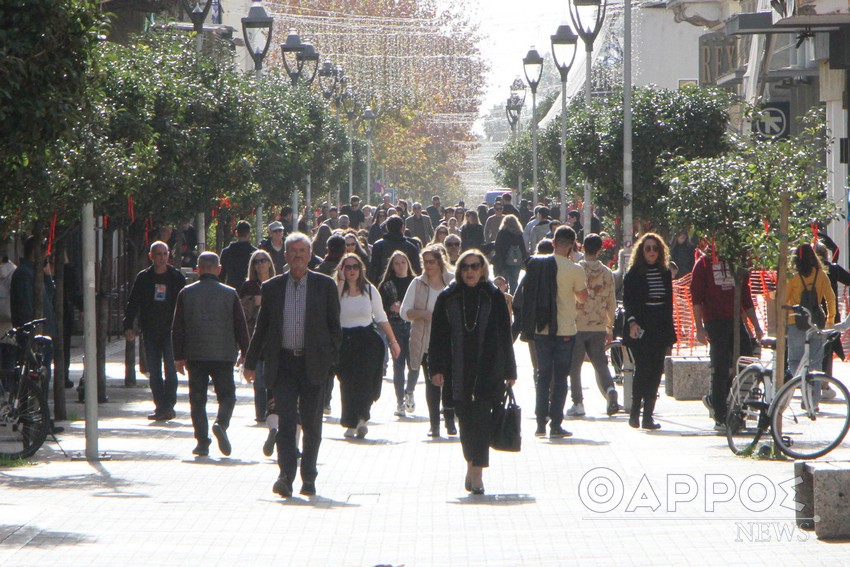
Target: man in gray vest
(208,331)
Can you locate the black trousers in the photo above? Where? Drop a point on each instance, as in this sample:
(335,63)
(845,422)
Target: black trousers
(433,396)
(294,395)
(721,341)
(476,423)
(200,373)
(649,366)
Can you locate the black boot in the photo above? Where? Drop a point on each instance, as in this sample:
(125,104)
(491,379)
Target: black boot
(449,416)
(634,413)
(648,408)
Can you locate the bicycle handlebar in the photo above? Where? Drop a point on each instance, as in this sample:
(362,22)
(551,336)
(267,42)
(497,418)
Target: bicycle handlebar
(25,328)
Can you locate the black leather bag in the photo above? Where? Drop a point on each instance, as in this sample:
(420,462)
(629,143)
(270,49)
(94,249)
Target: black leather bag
(507,420)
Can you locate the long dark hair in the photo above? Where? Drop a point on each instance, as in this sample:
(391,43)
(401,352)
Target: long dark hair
(805,260)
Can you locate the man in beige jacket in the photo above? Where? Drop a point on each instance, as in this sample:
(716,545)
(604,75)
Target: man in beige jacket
(595,324)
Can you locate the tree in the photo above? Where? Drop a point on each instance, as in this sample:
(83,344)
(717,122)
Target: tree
(735,198)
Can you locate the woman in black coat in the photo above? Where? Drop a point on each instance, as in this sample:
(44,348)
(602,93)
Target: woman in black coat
(649,330)
(472,357)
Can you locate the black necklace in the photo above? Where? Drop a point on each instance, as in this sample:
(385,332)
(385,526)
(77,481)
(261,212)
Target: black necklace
(466,326)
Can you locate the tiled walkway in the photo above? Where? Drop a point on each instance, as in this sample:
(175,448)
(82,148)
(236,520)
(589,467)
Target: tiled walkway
(397,497)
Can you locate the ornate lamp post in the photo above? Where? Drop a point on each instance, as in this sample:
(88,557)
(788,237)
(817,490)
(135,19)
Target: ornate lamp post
(257,31)
(587,16)
(369,117)
(300,59)
(564,44)
(349,108)
(532,64)
(513,109)
(328,79)
(196,13)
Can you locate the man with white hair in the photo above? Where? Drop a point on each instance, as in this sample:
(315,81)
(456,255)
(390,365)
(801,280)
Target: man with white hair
(419,225)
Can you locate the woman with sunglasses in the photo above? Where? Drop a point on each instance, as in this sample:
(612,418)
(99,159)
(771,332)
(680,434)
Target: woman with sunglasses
(472,357)
(260,269)
(418,307)
(353,245)
(649,331)
(361,358)
(377,230)
(440,234)
(452,245)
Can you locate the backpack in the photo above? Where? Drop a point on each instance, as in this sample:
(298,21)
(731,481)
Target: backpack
(514,256)
(809,300)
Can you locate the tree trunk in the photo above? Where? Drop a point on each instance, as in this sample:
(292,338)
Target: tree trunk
(38,284)
(59,410)
(105,285)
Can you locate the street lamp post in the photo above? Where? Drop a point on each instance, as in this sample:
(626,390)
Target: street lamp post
(564,44)
(532,64)
(349,107)
(369,117)
(517,100)
(257,30)
(301,61)
(628,184)
(587,16)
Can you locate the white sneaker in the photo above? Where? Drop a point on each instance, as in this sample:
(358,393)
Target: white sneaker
(409,404)
(399,410)
(577,410)
(362,430)
(827,393)
(349,433)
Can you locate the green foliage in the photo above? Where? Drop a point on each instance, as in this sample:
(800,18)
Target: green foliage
(689,123)
(735,198)
(45,47)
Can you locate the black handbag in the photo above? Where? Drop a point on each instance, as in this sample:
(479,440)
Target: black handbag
(507,420)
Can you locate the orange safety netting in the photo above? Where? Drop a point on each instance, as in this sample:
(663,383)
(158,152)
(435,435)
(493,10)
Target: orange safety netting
(762,286)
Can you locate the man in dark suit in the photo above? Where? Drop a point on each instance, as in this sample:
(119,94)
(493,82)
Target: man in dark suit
(298,336)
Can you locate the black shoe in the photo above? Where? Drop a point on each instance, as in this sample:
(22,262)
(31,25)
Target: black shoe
(308,488)
(201,449)
(634,415)
(613,407)
(434,432)
(282,486)
(268,446)
(221,437)
(650,424)
(54,429)
(68,383)
(451,428)
(478,490)
(541,431)
(558,432)
(169,415)
(156,416)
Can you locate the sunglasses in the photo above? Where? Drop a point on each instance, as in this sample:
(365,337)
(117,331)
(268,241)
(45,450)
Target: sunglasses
(351,266)
(651,248)
(262,261)
(430,262)
(471,266)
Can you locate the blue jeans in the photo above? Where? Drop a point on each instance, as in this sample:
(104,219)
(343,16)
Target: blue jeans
(402,335)
(511,274)
(554,356)
(260,395)
(164,391)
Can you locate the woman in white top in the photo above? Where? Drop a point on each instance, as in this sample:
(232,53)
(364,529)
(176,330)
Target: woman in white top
(361,359)
(417,307)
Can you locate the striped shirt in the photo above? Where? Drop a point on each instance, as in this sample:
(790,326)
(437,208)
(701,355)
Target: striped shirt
(656,286)
(294,313)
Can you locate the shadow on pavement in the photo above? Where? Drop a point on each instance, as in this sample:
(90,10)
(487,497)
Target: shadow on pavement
(495,500)
(576,441)
(32,536)
(219,461)
(315,502)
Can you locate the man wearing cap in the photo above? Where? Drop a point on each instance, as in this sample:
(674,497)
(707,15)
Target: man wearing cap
(274,246)
(419,225)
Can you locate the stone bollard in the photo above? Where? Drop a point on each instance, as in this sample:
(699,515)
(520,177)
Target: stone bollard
(687,377)
(823,494)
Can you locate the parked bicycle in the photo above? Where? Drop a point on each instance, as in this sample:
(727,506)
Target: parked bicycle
(803,425)
(24,414)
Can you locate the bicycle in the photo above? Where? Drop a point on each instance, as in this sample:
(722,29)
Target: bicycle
(798,426)
(24,413)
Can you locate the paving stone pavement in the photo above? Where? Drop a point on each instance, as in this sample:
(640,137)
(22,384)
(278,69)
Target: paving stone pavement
(397,497)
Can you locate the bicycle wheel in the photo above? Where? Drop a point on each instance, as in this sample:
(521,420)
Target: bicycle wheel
(24,420)
(746,413)
(802,435)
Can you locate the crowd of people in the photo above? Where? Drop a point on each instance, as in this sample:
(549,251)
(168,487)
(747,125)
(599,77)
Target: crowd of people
(432,291)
